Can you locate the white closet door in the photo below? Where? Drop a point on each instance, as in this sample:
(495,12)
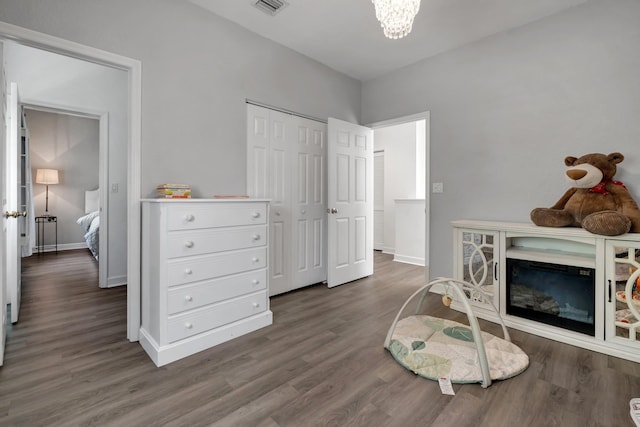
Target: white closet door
(309,204)
(286,163)
(257,152)
(281,137)
(269,134)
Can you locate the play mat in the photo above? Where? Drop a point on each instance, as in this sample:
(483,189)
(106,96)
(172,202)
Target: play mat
(434,348)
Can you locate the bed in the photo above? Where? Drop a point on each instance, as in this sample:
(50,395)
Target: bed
(90,221)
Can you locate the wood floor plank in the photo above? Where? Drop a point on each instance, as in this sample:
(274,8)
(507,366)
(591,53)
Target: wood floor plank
(322,362)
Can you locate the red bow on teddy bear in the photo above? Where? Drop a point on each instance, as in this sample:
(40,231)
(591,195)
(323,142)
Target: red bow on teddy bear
(601,188)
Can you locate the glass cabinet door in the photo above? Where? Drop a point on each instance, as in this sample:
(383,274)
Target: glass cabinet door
(623,299)
(476,258)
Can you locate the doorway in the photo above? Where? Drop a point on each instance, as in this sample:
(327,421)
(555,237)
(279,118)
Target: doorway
(402,153)
(131,139)
(70,143)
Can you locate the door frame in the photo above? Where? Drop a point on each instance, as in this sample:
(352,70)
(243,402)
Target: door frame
(426,116)
(133,67)
(376,154)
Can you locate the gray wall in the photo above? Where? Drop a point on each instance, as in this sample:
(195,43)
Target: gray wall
(197,71)
(69,144)
(506,110)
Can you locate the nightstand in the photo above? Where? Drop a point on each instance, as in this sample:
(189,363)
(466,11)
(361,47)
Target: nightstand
(41,221)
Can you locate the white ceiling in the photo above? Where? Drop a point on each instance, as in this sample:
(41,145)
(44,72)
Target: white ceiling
(345,35)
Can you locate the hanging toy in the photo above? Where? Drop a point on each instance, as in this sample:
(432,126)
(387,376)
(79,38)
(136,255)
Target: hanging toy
(446,299)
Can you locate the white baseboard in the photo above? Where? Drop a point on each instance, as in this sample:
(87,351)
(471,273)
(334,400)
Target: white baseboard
(116,281)
(62,247)
(409,259)
(71,246)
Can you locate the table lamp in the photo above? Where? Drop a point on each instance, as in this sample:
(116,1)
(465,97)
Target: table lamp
(47,177)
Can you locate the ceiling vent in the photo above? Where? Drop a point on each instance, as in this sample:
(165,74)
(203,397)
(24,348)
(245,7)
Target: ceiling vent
(271,7)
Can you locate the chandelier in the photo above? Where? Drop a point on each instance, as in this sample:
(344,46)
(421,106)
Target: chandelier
(396,16)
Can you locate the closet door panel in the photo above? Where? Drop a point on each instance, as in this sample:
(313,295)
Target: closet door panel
(257,152)
(278,283)
(310,204)
(280,138)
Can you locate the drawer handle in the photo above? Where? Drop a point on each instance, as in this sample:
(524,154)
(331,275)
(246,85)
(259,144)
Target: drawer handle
(256,237)
(255,282)
(188,325)
(189,218)
(188,244)
(255,259)
(256,215)
(188,271)
(188,298)
(256,304)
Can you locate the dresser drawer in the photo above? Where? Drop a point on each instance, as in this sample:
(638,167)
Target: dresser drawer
(198,242)
(194,269)
(202,320)
(188,297)
(190,216)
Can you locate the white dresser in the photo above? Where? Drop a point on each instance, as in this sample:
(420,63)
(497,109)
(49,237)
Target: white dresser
(204,274)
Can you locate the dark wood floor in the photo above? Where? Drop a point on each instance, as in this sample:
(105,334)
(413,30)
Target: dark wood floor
(321,363)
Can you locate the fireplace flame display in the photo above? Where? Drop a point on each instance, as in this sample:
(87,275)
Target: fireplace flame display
(557,295)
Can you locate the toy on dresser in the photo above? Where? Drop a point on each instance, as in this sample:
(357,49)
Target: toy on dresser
(173,191)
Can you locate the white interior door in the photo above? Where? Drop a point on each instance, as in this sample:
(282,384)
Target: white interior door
(12,193)
(3,197)
(309,203)
(350,202)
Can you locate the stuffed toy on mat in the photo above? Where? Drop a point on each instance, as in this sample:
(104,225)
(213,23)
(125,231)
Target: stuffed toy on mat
(596,202)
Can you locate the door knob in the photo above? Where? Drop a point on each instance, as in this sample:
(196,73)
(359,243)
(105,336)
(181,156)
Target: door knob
(14,214)
(332,210)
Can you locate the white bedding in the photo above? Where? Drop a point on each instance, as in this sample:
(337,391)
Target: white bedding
(90,224)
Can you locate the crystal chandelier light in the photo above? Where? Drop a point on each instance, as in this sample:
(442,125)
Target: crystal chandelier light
(396,16)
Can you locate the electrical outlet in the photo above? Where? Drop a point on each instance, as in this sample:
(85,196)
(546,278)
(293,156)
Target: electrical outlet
(437,187)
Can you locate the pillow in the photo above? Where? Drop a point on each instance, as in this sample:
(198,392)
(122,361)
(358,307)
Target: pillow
(85,221)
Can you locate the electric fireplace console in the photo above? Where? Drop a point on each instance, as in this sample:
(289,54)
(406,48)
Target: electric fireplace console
(564,284)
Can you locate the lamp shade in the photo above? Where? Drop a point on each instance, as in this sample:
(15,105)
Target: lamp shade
(47,176)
